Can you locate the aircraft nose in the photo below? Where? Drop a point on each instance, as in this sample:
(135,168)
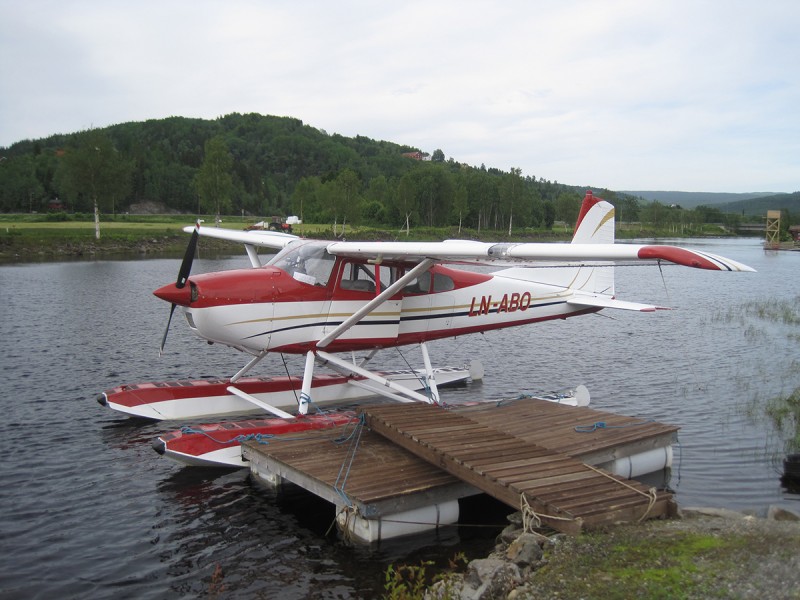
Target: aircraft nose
(175,295)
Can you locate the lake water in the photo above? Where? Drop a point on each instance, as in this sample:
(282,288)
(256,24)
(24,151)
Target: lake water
(87,509)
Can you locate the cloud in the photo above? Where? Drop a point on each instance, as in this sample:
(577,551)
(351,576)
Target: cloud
(621,94)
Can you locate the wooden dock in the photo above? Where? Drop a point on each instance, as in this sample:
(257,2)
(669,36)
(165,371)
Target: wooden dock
(526,453)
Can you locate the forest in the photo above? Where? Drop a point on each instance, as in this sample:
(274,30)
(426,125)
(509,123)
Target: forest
(261,166)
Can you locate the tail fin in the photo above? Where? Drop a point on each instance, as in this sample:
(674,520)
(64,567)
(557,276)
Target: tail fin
(595,225)
(595,221)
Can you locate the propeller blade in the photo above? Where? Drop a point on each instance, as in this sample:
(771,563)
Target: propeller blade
(183,276)
(188,258)
(166,331)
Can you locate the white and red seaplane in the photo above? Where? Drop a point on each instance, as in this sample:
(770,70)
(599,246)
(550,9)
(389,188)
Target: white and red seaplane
(323,298)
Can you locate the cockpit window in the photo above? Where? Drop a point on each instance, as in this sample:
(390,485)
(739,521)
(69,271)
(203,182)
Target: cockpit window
(306,261)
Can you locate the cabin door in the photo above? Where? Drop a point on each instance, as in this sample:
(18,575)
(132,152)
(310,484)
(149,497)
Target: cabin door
(358,283)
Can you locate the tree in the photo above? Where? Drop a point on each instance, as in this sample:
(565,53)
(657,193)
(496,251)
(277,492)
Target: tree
(511,192)
(305,199)
(437,156)
(94,171)
(653,214)
(213,181)
(549,211)
(347,196)
(626,209)
(406,201)
(19,187)
(460,204)
(568,205)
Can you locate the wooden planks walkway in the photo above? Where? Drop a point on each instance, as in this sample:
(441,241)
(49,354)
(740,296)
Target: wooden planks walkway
(563,492)
(554,426)
(525,453)
(378,478)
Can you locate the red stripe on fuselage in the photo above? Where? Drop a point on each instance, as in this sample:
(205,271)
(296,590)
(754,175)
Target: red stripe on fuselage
(423,336)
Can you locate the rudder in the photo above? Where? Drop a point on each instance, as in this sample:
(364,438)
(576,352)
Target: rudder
(595,223)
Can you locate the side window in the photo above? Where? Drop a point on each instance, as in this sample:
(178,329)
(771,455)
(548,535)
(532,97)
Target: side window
(367,278)
(442,283)
(358,277)
(422,284)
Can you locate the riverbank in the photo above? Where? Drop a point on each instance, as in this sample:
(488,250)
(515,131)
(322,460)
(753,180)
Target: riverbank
(25,239)
(704,553)
(55,246)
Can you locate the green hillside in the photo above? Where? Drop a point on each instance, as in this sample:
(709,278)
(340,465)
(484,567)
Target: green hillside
(257,166)
(264,165)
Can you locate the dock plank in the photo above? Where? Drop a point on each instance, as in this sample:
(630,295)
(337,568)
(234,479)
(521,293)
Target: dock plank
(525,452)
(538,476)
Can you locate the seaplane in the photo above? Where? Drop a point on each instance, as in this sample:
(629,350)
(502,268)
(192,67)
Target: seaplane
(328,300)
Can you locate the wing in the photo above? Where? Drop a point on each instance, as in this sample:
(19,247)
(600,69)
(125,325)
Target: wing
(486,252)
(265,239)
(454,251)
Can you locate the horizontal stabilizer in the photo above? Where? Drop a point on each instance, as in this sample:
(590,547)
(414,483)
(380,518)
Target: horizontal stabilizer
(607,302)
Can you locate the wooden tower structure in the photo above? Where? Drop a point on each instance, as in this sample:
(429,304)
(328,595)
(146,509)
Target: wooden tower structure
(773,229)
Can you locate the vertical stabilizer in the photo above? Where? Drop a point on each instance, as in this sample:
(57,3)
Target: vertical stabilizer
(595,225)
(595,222)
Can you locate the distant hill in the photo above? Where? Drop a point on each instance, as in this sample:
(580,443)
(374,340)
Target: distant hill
(760,206)
(274,166)
(694,199)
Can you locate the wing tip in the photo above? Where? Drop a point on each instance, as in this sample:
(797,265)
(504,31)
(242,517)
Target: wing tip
(692,258)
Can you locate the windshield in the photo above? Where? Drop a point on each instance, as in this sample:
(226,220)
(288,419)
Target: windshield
(306,261)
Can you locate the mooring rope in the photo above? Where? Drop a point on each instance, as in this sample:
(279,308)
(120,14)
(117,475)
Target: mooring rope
(426,389)
(344,470)
(651,494)
(531,519)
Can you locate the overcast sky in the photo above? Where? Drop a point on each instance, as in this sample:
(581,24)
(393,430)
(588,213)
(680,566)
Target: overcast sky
(684,95)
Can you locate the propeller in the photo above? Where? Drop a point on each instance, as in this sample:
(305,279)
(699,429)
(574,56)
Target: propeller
(183,276)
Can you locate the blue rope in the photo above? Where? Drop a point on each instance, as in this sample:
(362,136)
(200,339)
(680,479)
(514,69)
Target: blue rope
(261,438)
(603,425)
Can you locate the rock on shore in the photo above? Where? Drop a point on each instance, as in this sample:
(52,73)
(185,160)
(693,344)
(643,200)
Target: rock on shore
(704,552)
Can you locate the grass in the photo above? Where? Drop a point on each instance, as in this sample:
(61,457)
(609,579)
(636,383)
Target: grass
(27,236)
(783,317)
(683,559)
(635,562)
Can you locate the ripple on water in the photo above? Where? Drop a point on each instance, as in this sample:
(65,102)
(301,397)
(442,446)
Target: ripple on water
(89,510)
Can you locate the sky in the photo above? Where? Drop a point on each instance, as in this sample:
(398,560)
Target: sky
(688,95)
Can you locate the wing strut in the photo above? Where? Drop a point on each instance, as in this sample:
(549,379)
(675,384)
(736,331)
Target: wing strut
(256,359)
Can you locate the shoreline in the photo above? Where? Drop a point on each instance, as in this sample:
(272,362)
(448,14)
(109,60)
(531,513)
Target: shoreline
(700,553)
